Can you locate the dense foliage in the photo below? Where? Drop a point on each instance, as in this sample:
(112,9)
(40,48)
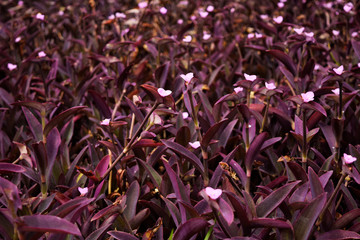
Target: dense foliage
(179,119)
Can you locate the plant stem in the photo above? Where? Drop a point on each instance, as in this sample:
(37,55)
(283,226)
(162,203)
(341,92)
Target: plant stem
(132,140)
(322,213)
(304,148)
(340,100)
(266,114)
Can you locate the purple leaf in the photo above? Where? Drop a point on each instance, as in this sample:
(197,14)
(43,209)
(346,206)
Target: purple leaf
(132,196)
(60,118)
(226,133)
(161,74)
(211,132)
(34,124)
(174,211)
(177,148)
(214,74)
(269,223)
(270,142)
(183,136)
(47,223)
(226,211)
(146,143)
(307,217)
(254,149)
(347,218)
(271,202)
(41,159)
(53,142)
(154,175)
(11,193)
(315,184)
(122,235)
(356,46)
(100,103)
(240,212)
(314,106)
(284,59)
(11,168)
(191,227)
(338,235)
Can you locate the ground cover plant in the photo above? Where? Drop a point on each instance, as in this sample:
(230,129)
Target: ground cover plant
(179,119)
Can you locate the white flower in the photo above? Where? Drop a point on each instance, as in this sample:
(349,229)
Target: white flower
(238,89)
(270,86)
(210,8)
(185,115)
(83,191)
(339,70)
(120,15)
(328,5)
(250,77)
(354,34)
(250,35)
(195,144)
(264,16)
(18,39)
(278,19)
(111,17)
(308,97)
(358,65)
(142,4)
(348,7)
(41,54)
(40,16)
(187,78)
(163,92)
(105,122)
(163,10)
(203,13)
(258,35)
(348,159)
(187,39)
(299,30)
(316,67)
(155,119)
(11,66)
(336,91)
(309,34)
(335,32)
(206,36)
(213,193)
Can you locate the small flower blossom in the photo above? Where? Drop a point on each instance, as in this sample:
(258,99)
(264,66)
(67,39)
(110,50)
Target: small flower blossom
(280,4)
(250,35)
(348,7)
(232,10)
(264,16)
(238,89)
(328,5)
(193,18)
(185,115)
(187,78)
(203,13)
(142,4)
(61,13)
(278,19)
(206,36)
(40,16)
(210,8)
(339,70)
(336,91)
(309,34)
(358,65)
(335,32)
(180,21)
(258,35)
(299,30)
(41,54)
(348,159)
(18,39)
(11,66)
(187,39)
(308,97)
(163,92)
(83,191)
(155,119)
(250,77)
(111,17)
(20,3)
(163,10)
(354,34)
(213,193)
(105,122)
(316,67)
(195,144)
(270,86)
(120,15)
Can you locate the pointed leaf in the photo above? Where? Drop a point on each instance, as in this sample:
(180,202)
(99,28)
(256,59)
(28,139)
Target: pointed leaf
(307,217)
(211,132)
(183,136)
(338,235)
(132,196)
(271,202)
(284,59)
(254,149)
(191,227)
(11,192)
(269,223)
(11,168)
(154,175)
(53,142)
(47,223)
(122,235)
(226,211)
(314,106)
(315,184)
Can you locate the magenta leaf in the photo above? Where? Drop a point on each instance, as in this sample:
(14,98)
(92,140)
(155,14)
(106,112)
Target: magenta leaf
(132,196)
(284,59)
(210,133)
(11,168)
(154,175)
(315,184)
(190,228)
(11,193)
(53,142)
(254,149)
(338,235)
(269,223)
(47,223)
(122,235)
(226,211)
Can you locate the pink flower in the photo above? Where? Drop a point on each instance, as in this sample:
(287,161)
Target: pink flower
(354,34)
(270,86)
(18,39)
(40,16)
(21,3)
(111,17)
(358,65)
(203,13)
(335,32)
(155,119)
(105,122)
(250,77)
(163,92)
(180,21)
(120,15)
(251,35)
(187,78)
(213,193)
(238,89)
(142,4)
(206,36)
(339,70)
(348,7)
(187,39)
(11,66)
(163,10)
(185,115)
(210,8)
(278,19)
(61,12)
(299,30)
(83,191)
(264,16)
(308,97)
(195,144)
(232,10)
(193,18)
(309,34)
(336,91)
(280,4)
(258,35)
(41,54)
(348,159)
